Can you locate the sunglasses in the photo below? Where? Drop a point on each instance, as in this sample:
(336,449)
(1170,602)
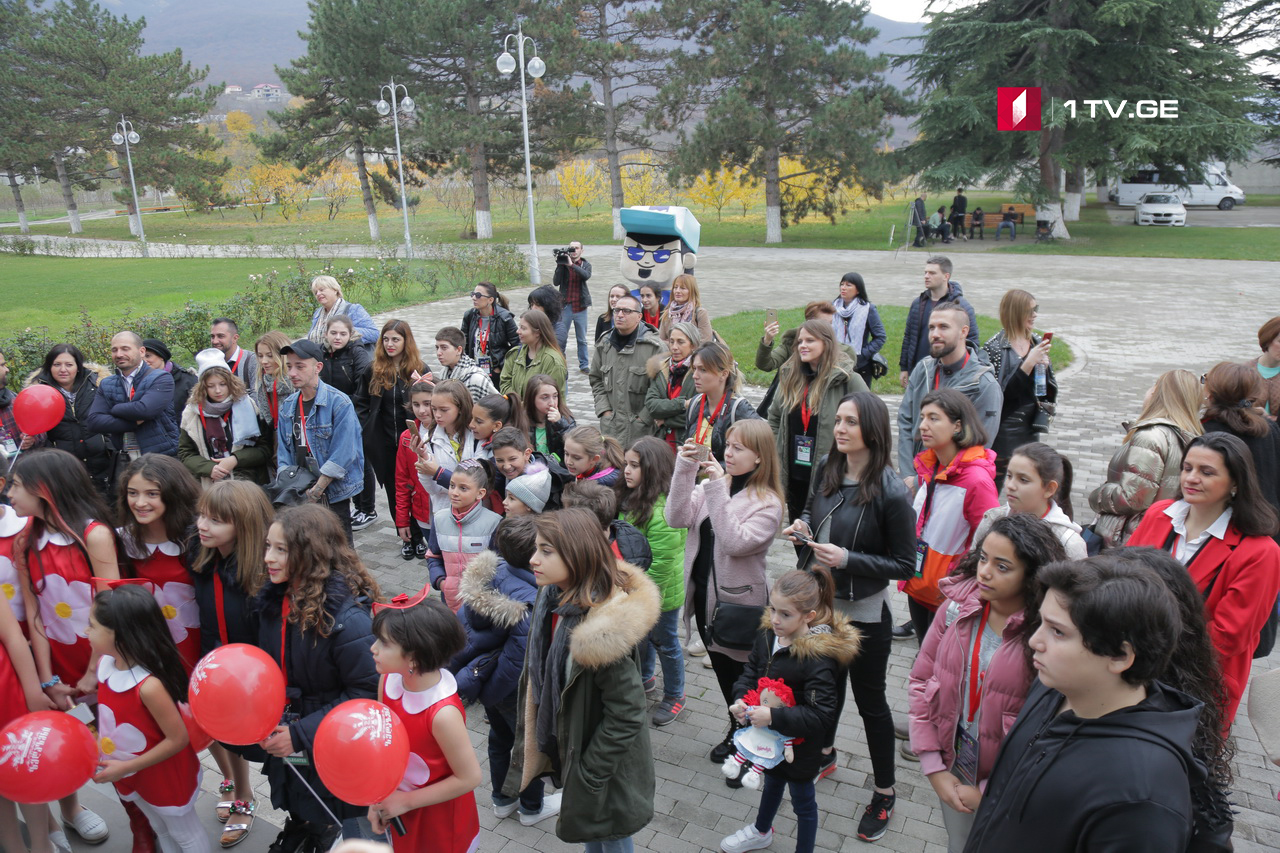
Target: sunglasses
(660,256)
(480,295)
(402,601)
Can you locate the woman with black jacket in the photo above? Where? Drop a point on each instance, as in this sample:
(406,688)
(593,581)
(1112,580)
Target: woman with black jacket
(859,522)
(64,369)
(490,329)
(313,617)
(346,367)
(1014,354)
(383,405)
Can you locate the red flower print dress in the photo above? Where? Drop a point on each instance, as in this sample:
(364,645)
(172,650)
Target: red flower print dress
(11,524)
(63,582)
(449,827)
(162,565)
(126,730)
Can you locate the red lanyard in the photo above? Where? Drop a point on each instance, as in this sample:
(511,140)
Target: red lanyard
(482,334)
(976,678)
(674,388)
(226,417)
(806,413)
(235,364)
(274,396)
(699,434)
(937,374)
(284,633)
(217,603)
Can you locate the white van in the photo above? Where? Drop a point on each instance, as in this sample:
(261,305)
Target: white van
(1215,190)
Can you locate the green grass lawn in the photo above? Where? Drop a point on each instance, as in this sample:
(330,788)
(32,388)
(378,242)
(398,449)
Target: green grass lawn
(742,333)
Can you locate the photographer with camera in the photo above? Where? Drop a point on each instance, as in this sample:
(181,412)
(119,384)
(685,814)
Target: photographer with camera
(572,272)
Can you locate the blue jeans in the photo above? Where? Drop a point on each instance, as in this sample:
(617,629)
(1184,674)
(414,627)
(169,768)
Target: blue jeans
(579,319)
(665,643)
(619,845)
(502,736)
(803,802)
(1013,230)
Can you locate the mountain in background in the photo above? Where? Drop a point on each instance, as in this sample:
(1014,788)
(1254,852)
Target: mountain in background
(243,40)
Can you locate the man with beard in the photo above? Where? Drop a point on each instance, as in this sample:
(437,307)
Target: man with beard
(952,363)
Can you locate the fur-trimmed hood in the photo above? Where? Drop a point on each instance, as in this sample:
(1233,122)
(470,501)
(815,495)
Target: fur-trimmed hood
(839,642)
(610,630)
(481,592)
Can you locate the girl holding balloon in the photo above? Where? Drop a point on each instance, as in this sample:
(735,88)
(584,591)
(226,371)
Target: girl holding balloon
(232,517)
(314,620)
(146,751)
(415,641)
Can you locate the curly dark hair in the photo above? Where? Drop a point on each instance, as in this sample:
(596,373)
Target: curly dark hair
(318,549)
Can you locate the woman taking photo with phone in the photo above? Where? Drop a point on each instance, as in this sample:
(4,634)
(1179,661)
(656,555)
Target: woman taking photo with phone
(1015,352)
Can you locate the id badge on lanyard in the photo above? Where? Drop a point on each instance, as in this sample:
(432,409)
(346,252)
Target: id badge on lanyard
(485,363)
(966,764)
(804,450)
(921,550)
(8,442)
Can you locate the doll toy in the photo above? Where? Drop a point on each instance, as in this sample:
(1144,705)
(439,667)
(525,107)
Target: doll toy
(761,748)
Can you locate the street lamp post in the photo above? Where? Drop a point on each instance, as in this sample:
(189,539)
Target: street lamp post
(405,103)
(125,135)
(536,68)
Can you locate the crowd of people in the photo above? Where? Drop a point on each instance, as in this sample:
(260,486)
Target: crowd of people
(171,512)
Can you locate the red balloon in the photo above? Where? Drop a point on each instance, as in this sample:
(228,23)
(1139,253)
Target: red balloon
(365,734)
(45,756)
(199,738)
(237,694)
(39,409)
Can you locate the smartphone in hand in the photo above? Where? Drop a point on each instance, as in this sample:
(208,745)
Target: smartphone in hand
(770,316)
(1048,336)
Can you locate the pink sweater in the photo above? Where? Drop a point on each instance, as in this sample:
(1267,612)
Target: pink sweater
(744,526)
(938,691)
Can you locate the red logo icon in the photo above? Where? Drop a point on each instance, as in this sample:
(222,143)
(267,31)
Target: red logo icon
(1017,108)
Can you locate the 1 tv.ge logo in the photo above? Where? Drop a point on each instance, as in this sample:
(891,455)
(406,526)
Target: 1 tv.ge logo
(1018,108)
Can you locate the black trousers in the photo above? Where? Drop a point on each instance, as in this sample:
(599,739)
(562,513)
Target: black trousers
(868,676)
(921,618)
(342,509)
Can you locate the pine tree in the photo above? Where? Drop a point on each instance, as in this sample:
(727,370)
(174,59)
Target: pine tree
(1075,49)
(24,123)
(779,78)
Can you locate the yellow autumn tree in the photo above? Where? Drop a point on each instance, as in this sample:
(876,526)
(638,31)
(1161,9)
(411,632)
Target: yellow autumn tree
(338,184)
(719,189)
(280,183)
(581,183)
(644,181)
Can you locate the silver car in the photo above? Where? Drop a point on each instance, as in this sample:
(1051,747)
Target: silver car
(1159,209)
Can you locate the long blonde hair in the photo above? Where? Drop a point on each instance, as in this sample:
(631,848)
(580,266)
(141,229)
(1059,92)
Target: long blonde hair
(1175,397)
(275,339)
(792,386)
(755,435)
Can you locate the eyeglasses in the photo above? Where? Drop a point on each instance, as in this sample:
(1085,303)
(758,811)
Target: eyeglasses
(480,294)
(625,311)
(660,256)
(402,601)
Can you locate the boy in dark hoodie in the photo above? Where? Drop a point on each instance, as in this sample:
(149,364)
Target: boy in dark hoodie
(624,538)
(1100,757)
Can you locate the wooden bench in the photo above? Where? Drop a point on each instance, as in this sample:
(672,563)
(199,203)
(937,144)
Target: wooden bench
(158,209)
(993,217)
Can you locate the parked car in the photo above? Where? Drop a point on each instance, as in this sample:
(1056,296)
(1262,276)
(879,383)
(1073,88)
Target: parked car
(1159,209)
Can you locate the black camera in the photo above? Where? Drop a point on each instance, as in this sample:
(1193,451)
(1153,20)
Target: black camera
(562,255)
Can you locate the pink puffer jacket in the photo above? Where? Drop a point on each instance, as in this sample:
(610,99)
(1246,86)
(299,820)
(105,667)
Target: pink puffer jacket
(939,693)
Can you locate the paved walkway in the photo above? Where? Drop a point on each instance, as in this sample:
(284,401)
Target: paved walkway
(1127,319)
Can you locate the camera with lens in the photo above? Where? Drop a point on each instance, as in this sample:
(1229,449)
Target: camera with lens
(562,255)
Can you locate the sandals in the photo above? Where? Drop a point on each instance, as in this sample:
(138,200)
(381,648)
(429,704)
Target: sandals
(224,806)
(234,833)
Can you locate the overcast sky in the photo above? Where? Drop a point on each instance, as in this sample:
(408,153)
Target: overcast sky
(908,10)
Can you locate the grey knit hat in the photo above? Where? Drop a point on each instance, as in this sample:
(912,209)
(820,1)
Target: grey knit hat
(690,331)
(532,488)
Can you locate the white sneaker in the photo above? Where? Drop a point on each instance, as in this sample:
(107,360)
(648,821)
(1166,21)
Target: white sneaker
(550,808)
(506,811)
(747,838)
(694,648)
(706,662)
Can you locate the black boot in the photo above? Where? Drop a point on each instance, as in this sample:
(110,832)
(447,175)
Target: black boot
(724,748)
(290,839)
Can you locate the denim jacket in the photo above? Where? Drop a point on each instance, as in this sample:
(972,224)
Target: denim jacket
(114,413)
(333,431)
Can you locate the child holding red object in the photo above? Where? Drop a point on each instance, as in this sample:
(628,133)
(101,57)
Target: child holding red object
(413,503)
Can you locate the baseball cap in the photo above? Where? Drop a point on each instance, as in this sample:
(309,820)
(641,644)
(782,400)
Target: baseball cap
(304,348)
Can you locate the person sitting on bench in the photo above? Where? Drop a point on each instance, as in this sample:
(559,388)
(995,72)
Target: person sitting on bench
(978,220)
(1008,218)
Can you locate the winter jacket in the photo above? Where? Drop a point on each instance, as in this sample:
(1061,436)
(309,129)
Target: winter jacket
(744,524)
(364,333)
(619,383)
(115,411)
(502,337)
(254,458)
(382,418)
(1114,784)
(320,673)
(555,433)
(451,546)
(240,614)
(770,357)
(880,536)
(412,499)
(1245,574)
(658,400)
(348,370)
(334,433)
(497,599)
(605,763)
(667,544)
(701,319)
(914,328)
(469,374)
(1265,450)
(184,382)
(813,667)
(629,544)
(72,433)
(972,377)
(873,336)
(843,382)
(735,409)
(1018,388)
(1144,470)
(516,372)
(939,692)
(962,494)
(442,449)
(1068,531)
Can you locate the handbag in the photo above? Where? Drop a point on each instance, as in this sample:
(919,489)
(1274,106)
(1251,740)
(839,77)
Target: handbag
(733,626)
(290,486)
(879,366)
(1042,420)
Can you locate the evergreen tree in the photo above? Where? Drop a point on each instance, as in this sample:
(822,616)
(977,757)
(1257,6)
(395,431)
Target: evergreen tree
(25,124)
(779,78)
(1075,49)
